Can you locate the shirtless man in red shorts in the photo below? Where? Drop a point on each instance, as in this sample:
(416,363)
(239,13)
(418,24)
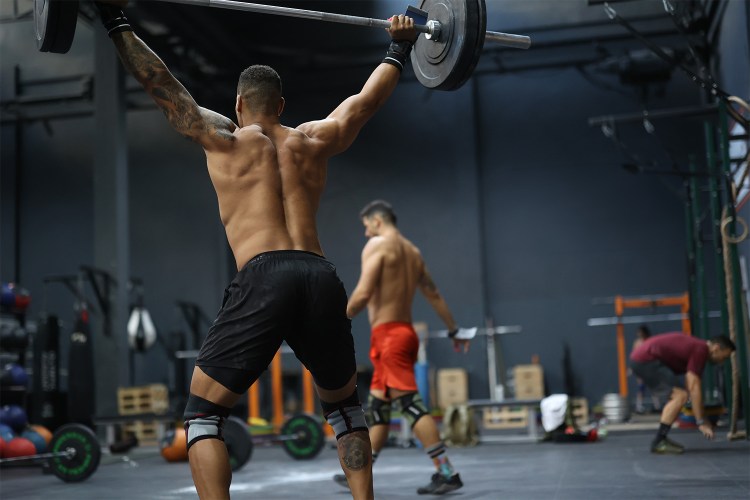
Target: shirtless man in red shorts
(392,271)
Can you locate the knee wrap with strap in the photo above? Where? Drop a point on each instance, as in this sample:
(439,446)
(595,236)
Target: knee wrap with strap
(412,407)
(203,420)
(345,416)
(378,411)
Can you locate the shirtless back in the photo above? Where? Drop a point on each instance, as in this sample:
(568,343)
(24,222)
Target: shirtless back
(402,271)
(268,177)
(392,271)
(269,182)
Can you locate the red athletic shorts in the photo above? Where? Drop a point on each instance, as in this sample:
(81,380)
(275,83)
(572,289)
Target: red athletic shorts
(393,352)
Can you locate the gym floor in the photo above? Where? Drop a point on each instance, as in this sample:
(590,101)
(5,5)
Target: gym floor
(618,467)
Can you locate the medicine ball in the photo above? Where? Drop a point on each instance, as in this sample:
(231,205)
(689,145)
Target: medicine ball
(14,374)
(174,446)
(39,443)
(13,416)
(19,447)
(6,432)
(42,431)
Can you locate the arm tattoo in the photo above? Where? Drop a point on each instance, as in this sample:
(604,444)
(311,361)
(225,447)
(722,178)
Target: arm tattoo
(427,284)
(354,451)
(176,103)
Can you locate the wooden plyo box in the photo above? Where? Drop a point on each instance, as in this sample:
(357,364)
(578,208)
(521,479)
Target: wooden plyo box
(152,398)
(528,381)
(507,417)
(147,433)
(452,387)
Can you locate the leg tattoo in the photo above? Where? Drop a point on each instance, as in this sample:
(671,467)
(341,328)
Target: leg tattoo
(354,451)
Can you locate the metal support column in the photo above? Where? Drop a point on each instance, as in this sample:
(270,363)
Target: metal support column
(715,206)
(111,224)
(700,300)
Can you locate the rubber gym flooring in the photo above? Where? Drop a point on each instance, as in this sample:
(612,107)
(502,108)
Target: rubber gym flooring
(618,467)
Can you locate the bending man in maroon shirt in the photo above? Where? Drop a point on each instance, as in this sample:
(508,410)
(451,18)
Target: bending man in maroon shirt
(660,359)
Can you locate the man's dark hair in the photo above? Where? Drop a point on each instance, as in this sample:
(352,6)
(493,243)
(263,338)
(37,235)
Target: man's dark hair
(645,330)
(260,88)
(383,208)
(724,342)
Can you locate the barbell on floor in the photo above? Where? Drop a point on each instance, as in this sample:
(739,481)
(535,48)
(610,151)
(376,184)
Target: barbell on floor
(443,59)
(301,437)
(74,454)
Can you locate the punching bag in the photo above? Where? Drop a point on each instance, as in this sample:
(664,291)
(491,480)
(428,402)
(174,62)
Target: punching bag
(81,371)
(46,406)
(141,330)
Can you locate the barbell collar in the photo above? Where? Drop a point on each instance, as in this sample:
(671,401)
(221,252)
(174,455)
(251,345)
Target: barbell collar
(434,30)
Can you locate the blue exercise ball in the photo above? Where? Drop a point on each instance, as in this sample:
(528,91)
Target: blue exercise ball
(18,375)
(39,442)
(6,432)
(14,416)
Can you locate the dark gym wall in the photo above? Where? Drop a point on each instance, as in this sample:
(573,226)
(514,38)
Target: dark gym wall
(172,205)
(733,50)
(562,222)
(566,224)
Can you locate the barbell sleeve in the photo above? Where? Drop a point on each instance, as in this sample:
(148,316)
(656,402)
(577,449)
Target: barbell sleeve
(504,39)
(508,39)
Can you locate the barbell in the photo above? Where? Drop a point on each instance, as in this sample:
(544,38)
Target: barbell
(73,456)
(453,33)
(301,437)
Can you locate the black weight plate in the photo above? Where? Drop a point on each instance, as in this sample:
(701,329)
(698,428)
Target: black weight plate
(465,69)
(44,24)
(55,24)
(310,439)
(86,453)
(447,63)
(238,441)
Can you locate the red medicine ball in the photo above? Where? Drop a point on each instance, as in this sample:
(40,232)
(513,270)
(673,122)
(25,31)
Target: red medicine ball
(19,447)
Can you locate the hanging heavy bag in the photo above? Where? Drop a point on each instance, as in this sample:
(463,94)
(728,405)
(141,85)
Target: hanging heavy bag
(141,330)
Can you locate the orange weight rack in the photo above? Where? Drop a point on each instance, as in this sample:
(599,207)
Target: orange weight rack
(277,419)
(621,304)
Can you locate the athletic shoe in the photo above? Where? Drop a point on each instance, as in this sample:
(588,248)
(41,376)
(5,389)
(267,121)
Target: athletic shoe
(673,443)
(441,484)
(667,447)
(340,479)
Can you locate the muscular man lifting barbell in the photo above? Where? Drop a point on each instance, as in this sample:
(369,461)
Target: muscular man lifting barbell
(269,179)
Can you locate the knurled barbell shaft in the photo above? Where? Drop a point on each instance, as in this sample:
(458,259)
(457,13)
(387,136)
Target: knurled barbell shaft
(504,39)
(40,456)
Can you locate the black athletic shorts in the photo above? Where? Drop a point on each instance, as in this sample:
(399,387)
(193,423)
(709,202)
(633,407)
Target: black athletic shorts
(658,377)
(284,295)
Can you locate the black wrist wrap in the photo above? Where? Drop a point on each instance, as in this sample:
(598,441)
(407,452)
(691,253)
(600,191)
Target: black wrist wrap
(113,19)
(397,53)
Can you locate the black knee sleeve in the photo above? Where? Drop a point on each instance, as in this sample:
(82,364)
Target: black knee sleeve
(412,407)
(203,420)
(378,411)
(345,416)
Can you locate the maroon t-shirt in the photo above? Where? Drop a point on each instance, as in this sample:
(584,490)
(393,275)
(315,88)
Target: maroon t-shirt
(681,353)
